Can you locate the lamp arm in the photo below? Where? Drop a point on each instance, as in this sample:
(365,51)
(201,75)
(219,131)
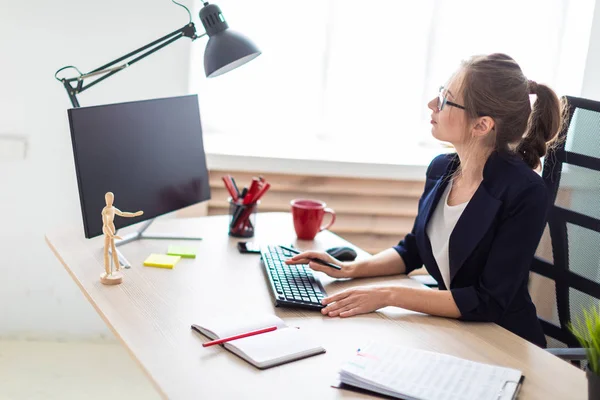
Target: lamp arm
(109,69)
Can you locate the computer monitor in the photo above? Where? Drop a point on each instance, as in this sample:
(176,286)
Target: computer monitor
(149,154)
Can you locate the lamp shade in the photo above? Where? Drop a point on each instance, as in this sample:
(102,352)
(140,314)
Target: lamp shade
(225,50)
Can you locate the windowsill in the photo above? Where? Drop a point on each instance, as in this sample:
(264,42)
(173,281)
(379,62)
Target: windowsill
(319,158)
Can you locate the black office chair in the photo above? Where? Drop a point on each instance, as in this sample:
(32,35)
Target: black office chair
(570,275)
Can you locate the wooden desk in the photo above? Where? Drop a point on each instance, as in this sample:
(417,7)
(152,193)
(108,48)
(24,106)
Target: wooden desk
(152,310)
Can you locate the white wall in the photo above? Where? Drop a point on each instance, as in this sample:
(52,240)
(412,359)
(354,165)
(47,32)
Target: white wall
(39,192)
(591,79)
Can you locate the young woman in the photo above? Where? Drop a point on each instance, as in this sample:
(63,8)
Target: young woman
(483,209)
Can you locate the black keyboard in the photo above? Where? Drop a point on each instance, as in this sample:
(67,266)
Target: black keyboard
(291,285)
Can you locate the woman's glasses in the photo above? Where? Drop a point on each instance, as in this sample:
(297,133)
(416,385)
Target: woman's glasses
(443,100)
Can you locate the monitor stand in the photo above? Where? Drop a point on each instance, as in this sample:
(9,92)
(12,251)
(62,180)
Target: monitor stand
(138,235)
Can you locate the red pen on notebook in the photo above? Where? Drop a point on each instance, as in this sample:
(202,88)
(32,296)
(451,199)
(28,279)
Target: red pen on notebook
(240,336)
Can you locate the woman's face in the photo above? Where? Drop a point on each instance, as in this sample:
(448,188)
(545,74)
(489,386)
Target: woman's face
(449,124)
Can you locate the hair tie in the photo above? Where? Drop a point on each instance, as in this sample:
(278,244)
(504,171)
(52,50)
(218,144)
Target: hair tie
(532,86)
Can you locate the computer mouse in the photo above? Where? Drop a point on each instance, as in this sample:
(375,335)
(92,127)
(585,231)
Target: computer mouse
(342,253)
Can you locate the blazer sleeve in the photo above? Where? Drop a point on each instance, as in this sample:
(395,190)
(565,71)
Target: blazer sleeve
(509,260)
(407,248)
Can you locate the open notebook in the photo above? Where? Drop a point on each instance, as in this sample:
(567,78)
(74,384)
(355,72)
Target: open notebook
(401,372)
(265,350)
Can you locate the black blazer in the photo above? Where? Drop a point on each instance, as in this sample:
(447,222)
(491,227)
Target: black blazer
(492,245)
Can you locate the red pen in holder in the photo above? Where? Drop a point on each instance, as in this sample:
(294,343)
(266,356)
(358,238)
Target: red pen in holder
(242,219)
(242,206)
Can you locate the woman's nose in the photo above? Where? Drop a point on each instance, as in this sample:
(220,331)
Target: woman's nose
(433,105)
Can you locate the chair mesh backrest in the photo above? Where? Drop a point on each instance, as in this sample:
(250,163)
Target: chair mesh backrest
(566,272)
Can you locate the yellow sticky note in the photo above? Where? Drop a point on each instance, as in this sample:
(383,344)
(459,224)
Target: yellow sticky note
(183,251)
(161,261)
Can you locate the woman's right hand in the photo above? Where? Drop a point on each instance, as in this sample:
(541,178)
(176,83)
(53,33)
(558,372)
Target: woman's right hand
(304,258)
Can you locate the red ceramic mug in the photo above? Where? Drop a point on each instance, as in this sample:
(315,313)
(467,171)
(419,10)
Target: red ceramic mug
(308,216)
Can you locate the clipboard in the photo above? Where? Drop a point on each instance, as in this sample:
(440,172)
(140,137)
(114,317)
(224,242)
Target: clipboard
(394,371)
(338,384)
(518,384)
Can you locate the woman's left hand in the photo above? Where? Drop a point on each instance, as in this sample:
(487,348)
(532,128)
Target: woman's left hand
(356,301)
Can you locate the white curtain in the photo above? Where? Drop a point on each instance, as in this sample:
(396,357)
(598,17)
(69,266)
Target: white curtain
(358,74)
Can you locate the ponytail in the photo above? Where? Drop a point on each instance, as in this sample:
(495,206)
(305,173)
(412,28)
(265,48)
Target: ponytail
(543,125)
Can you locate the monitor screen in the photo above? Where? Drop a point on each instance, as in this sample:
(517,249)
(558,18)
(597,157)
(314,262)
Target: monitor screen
(149,154)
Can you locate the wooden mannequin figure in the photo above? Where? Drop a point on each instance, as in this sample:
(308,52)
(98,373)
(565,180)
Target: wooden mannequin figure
(108,228)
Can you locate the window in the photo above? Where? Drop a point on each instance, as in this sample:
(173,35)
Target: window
(358,75)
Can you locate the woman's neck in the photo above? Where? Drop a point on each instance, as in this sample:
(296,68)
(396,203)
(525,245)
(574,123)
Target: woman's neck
(472,162)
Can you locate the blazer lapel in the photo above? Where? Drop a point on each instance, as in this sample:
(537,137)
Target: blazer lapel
(430,202)
(429,205)
(471,227)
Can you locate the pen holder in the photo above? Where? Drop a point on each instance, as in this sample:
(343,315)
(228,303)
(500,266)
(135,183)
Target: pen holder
(242,219)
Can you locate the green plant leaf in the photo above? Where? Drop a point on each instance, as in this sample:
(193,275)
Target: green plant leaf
(587,333)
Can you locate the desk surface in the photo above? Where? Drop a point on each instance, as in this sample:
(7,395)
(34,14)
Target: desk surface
(151,313)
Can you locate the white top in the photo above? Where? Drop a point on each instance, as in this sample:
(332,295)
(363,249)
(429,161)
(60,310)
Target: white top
(440,228)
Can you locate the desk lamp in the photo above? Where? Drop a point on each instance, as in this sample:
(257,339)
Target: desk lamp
(225,51)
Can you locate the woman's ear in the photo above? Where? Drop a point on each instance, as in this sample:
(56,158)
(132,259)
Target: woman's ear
(483,126)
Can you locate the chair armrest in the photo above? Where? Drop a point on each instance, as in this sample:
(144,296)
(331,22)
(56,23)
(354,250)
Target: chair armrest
(568,354)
